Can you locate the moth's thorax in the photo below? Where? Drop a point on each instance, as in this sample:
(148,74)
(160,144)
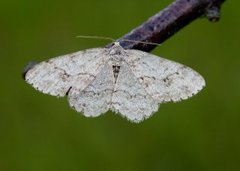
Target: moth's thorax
(116,53)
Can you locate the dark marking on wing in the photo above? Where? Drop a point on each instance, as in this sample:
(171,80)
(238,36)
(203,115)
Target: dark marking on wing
(68,91)
(29,66)
(116,70)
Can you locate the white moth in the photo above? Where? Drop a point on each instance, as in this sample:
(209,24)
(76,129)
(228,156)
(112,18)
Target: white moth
(130,82)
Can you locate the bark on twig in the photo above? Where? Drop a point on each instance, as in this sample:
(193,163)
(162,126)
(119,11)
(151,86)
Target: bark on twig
(170,20)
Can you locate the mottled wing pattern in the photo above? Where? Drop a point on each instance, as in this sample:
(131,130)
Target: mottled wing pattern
(164,79)
(130,99)
(132,83)
(95,99)
(57,75)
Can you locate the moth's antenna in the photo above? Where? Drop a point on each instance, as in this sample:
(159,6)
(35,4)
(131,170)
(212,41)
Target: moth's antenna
(136,41)
(111,39)
(96,37)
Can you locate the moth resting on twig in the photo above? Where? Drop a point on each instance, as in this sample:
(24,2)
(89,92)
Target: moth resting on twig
(130,82)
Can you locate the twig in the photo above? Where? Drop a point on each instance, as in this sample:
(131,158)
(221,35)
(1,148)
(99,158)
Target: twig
(168,21)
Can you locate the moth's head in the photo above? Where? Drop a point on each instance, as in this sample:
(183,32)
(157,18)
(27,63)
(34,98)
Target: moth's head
(116,44)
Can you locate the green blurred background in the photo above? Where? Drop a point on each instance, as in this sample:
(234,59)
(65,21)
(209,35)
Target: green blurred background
(40,132)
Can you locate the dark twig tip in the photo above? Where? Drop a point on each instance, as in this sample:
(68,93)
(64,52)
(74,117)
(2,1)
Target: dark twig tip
(213,13)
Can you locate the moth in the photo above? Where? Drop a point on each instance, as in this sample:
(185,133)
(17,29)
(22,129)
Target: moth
(130,82)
